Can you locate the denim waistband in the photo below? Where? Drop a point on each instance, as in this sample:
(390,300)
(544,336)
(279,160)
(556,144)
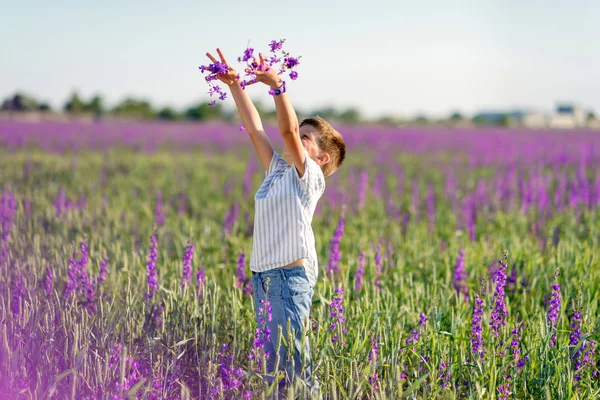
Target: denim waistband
(281,271)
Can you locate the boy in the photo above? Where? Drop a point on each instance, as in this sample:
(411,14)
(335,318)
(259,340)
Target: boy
(284,258)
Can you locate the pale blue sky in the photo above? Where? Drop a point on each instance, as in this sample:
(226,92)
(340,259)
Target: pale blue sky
(401,57)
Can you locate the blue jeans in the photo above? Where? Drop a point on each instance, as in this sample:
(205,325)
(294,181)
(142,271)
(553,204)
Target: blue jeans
(290,295)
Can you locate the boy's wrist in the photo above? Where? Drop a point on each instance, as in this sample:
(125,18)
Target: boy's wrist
(278,84)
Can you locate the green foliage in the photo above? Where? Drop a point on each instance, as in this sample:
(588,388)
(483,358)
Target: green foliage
(136,108)
(202,111)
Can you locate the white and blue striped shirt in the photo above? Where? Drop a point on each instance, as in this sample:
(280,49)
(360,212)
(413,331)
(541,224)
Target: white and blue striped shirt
(284,208)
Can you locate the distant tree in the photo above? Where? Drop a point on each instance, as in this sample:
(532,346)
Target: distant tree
(135,108)
(327,113)
(44,107)
(421,119)
(168,114)
(591,116)
(456,116)
(202,111)
(74,105)
(20,102)
(350,115)
(96,106)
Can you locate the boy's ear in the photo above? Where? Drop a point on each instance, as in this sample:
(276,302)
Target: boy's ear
(324,158)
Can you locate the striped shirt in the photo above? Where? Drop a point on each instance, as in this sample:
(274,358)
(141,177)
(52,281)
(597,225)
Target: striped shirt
(284,208)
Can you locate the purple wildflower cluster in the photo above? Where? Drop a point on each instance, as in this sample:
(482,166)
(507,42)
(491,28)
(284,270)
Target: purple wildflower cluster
(18,291)
(48,283)
(378,269)
(200,282)
(159,215)
(262,334)
(63,204)
(516,364)
(8,209)
(151,271)
(476,329)
(374,358)
(231,216)
(460,275)
(335,257)
(444,373)
(79,284)
(103,270)
(582,355)
(337,315)
(243,282)
(553,312)
(187,265)
(278,58)
(418,330)
(499,312)
(229,381)
(360,271)
(133,372)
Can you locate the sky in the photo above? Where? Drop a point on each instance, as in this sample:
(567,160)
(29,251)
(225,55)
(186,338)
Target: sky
(394,57)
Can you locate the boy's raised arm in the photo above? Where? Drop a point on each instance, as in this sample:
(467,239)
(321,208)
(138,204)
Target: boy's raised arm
(249,114)
(286,116)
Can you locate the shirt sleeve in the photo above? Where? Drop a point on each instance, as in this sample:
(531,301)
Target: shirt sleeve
(277,163)
(313,180)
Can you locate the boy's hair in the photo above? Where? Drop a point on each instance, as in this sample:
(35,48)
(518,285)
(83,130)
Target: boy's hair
(329,141)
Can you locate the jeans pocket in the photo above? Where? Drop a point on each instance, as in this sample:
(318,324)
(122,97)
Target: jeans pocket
(298,285)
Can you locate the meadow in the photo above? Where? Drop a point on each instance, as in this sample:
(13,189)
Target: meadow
(453,264)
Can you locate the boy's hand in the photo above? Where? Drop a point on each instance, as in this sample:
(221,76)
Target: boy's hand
(231,76)
(265,74)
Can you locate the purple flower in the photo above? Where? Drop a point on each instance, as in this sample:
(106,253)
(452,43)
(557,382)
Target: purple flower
(337,316)
(276,45)
(158,212)
(444,373)
(151,271)
(334,249)
(290,62)
(247,54)
(243,282)
(187,264)
(103,269)
(417,331)
(374,358)
(200,282)
(73,273)
(460,275)
(293,75)
(476,329)
(553,312)
(378,270)
(18,291)
(360,272)
(48,282)
(499,312)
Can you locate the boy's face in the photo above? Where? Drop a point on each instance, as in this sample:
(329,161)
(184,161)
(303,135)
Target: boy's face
(309,136)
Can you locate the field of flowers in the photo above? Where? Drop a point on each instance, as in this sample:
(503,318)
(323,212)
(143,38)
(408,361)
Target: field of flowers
(453,264)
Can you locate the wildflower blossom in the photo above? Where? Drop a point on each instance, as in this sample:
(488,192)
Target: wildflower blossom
(360,271)
(460,275)
(151,271)
(243,282)
(200,282)
(285,61)
(444,373)
(187,264)
(337,316)
(476,329)
(103,269)
(374,358)
(48,282)
(334,248)
(499,312)
(553,312)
